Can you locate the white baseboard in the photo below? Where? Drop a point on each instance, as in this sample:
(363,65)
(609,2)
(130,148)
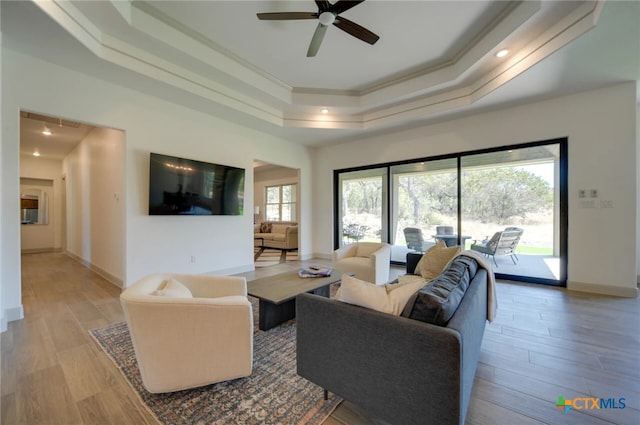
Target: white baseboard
(233,270)
(15,313)
(103,273)
(320,256)
(11,314)
(616,291)
(40,250)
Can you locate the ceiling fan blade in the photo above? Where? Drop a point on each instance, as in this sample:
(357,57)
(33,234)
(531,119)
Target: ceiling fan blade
(356,30)
(316,41)
(323,5)
(280,16)
(343,6)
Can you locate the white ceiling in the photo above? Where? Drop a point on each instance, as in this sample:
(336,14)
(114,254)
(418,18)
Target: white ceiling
(65,135)
(435,59)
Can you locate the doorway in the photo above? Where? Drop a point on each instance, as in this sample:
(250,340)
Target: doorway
(85,204)
(276,199)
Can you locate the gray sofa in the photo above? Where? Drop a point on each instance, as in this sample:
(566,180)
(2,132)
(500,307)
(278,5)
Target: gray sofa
(395,368)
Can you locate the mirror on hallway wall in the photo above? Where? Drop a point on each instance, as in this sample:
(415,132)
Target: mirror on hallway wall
(34,201)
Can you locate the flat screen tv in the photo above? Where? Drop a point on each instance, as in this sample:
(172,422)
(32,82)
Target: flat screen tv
(179,186)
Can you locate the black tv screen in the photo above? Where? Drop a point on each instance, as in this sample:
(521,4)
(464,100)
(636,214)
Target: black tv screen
(179,186)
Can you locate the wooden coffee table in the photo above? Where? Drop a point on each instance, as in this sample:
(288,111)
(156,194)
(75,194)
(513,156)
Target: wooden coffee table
(277,294)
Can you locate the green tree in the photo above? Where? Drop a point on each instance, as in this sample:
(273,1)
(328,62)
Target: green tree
(501,194)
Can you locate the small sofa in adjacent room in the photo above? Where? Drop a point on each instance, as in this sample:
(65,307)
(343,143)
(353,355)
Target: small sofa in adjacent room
(416,368)
(282,235)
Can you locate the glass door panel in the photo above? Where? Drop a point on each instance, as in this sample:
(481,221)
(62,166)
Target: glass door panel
(362,206)
(503,191)
(424,203)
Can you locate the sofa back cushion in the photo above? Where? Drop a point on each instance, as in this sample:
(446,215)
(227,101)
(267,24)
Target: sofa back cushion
(365,249)
(437,302)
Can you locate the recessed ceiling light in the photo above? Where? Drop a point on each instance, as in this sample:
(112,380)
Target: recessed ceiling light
(46,131)
(36,153)
(324,110)
(502,53)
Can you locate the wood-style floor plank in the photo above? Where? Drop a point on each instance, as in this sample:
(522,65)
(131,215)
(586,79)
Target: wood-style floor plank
(84,372)
(42,397)
(545,342)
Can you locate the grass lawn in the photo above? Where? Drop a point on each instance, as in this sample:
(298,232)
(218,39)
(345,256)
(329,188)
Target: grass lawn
(535,250)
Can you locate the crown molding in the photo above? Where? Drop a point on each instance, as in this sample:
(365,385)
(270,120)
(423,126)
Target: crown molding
(222,77)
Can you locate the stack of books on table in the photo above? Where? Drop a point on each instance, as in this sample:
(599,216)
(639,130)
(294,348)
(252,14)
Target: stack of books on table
(315,271)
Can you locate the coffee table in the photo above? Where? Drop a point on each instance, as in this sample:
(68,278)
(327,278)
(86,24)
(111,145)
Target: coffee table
(277,294)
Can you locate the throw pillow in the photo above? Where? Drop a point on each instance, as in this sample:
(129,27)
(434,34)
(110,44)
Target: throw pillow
(437,302)
(422,260)
(265,228)
(436,260)
(389,298)
(410,278)
(172,288)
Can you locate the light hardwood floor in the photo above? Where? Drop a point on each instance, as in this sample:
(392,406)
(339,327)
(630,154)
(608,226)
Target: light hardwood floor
(545,342)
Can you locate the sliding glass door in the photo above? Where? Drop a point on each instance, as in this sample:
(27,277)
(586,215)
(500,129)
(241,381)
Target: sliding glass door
(424,200)
(512,197)
(363,206)
(508,204)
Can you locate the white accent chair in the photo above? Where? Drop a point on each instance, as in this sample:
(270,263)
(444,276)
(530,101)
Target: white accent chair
(189,330)
(370,261)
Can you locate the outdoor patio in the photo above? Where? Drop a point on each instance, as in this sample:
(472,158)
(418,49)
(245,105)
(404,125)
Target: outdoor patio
(535,266)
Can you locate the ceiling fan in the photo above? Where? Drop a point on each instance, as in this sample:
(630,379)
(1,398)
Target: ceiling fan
(327,14)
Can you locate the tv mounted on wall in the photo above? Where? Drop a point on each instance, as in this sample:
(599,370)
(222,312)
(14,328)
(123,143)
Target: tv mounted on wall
(179,186)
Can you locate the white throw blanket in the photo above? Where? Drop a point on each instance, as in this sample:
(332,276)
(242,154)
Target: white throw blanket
(492,299)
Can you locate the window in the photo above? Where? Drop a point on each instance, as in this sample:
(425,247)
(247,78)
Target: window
(281,202)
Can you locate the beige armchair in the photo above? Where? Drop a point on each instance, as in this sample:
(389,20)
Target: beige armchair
(189,330)
(369,261)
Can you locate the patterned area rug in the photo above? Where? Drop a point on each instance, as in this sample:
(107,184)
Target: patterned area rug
(273,394)
(271,257)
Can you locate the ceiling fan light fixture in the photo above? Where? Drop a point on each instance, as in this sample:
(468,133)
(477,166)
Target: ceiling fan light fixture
(327,18)
(328,14)
(502,53)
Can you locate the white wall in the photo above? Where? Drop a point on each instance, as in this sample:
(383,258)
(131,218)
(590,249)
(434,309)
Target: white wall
(31,236)
(601,129)
(221,244)
(94,173)
(638,180)
(3,317)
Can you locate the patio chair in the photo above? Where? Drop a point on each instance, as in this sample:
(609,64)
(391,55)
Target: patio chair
(415,240)
(504,242)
